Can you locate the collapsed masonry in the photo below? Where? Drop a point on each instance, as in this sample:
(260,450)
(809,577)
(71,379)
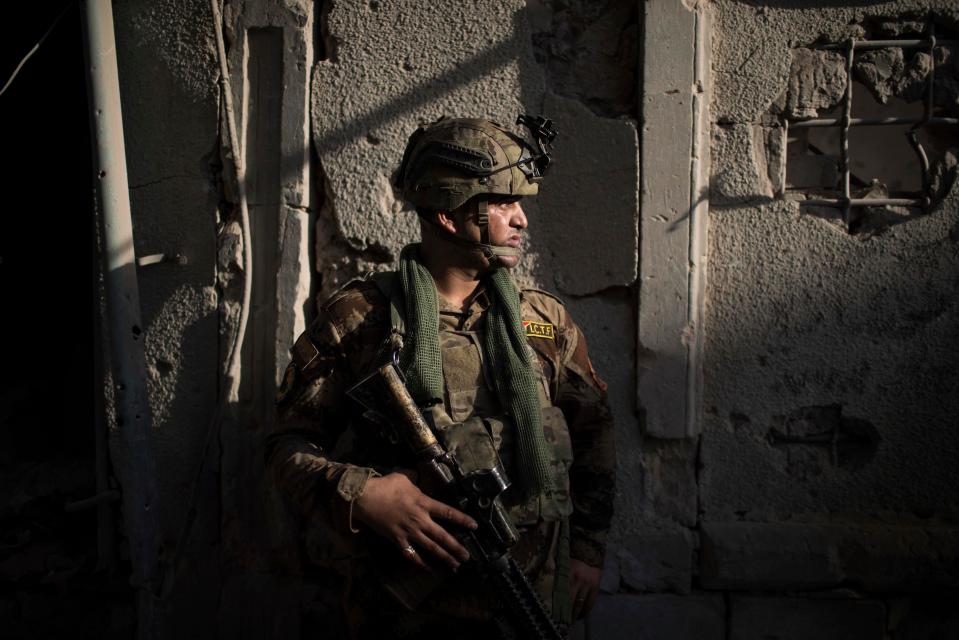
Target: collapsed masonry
(914,160)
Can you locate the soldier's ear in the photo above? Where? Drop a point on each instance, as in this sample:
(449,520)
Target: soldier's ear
(448,220)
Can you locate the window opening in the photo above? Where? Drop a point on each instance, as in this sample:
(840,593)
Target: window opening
(862,166)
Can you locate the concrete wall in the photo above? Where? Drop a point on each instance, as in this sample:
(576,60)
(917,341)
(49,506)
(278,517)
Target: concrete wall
(170,114)
(831,355)
(725,527)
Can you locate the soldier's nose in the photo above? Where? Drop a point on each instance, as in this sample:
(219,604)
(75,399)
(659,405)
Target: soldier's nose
(519,217)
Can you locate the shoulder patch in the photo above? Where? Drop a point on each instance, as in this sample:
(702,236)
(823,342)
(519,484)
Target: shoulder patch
(545,330)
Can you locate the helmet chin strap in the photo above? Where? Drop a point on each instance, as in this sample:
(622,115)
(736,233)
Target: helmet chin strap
(491,252)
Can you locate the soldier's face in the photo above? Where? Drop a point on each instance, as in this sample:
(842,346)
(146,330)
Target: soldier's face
(506,224)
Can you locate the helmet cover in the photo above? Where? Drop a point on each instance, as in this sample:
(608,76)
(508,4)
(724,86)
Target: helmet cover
(452,160)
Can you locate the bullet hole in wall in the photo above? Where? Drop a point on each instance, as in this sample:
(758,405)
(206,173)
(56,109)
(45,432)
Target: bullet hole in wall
(820,436)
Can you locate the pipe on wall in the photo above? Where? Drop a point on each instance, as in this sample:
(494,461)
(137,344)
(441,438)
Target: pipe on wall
(124,326)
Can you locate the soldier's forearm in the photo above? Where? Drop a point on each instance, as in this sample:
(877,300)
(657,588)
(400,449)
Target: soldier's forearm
(318,486)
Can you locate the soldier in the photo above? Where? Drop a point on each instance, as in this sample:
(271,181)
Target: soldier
(485,359)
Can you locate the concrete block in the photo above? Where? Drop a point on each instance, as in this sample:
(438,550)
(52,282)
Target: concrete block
(658,560)
(900,558)
(926,617)
(657,617)
(739,165)
(880,557)
(800,619)
(595,179)
(817,81)
(667,118)
(669,480)
(609,579)
(740,555)
(390,68)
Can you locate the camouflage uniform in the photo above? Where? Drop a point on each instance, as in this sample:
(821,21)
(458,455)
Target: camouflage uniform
(322,452)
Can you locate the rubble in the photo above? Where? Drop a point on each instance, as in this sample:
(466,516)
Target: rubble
(888,72)
(817,81)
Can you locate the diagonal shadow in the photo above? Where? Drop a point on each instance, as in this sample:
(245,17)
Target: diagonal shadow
(485,62)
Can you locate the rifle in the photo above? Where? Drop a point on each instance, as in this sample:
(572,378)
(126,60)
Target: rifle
(476,493)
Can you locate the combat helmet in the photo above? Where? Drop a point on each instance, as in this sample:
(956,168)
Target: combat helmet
(453,161)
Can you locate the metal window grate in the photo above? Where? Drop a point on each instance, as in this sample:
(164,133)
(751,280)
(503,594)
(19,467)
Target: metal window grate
(845,201)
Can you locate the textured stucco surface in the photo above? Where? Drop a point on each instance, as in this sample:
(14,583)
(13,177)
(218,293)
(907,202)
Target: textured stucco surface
(753,42)
(805,318)
(802,314)
(169,100)
(390,69)
(807,327)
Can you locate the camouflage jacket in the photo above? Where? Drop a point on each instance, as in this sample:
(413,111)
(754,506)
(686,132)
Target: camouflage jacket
(321,452)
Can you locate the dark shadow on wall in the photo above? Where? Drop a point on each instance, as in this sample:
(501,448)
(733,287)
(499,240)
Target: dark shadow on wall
(485,62)
(49,582)
(870,333)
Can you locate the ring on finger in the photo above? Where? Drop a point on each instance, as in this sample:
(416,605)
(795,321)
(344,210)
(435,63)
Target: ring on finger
(409,551)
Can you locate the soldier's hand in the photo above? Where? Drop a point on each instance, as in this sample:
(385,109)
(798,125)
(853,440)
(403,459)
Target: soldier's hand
(583,587)
(395,508)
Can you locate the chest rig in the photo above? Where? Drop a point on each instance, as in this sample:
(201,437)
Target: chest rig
(471,419)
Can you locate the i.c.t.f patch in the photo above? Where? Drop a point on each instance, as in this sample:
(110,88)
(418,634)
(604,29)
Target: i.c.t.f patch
(539,330)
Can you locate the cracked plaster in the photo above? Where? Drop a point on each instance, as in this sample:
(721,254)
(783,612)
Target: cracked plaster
(173,202)
(391,70)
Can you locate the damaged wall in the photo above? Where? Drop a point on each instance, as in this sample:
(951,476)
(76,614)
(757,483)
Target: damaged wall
(326,95)
(832,356)
(820,466)
(386,70)
(170,117)
(385,50)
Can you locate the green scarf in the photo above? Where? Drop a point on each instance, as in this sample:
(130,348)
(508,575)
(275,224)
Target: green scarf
(505,349)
